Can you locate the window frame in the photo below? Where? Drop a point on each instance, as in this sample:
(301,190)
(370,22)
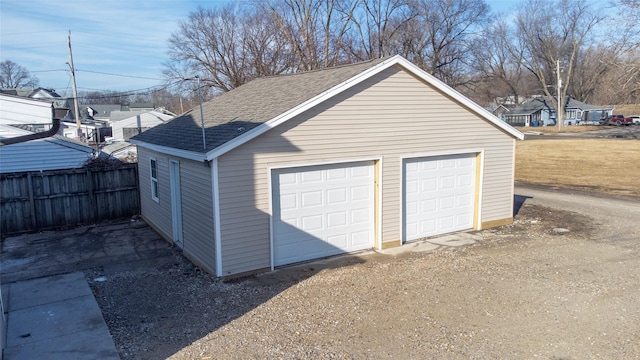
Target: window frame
(155,188)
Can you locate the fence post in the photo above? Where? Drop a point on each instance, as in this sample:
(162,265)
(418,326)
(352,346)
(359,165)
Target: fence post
(92,195)
(32,202)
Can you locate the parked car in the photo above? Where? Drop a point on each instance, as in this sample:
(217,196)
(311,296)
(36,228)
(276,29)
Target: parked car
(616,120)
(636,119)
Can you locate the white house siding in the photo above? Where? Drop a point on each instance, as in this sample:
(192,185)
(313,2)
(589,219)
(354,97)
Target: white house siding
(18,110)
(391,115)
(145,120)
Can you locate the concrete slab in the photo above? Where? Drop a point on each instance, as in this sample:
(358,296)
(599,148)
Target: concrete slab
(56,318)
(5,289)
(79,345)
(26,294)
(455,240)
(431,244)
(417,246)
(53,320)
(32,256)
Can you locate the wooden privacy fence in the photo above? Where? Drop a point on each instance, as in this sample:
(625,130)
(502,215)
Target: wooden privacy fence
(33,201)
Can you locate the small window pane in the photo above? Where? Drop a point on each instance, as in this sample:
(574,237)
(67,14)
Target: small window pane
(154,171)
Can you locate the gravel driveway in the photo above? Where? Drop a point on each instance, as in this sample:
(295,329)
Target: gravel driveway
(562,282)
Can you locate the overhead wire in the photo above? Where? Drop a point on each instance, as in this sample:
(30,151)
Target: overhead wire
(121,75)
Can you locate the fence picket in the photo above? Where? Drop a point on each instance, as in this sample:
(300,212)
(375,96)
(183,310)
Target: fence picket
(36,201)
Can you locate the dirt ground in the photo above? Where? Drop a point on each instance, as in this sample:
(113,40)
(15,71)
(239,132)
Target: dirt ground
(553,285)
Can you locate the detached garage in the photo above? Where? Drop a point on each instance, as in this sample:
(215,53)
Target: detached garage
(298,167)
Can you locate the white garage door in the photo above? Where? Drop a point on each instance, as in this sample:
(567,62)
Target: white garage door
(438,195)
(322,210)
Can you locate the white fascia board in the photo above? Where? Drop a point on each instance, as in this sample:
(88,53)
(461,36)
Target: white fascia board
(297,110)
(191,155)
(432,80)
(397,59)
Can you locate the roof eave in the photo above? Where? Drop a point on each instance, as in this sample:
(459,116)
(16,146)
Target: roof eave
(395,60)
(192,155)
(299,109)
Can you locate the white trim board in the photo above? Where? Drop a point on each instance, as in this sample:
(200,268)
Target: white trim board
(326,95)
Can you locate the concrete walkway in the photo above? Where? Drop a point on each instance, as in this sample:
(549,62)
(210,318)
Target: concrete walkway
(55,317)
(50,310)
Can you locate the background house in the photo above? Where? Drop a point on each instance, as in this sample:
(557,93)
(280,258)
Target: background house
(297,167)
(17,110)
(539,112)
(124,129)
(53,153)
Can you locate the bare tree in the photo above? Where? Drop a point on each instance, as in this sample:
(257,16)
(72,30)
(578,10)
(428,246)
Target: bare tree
(552,40)
(498,63)
(593,65)
(314,28)
(13,75)
(226,47)
(439,36)
(376,23)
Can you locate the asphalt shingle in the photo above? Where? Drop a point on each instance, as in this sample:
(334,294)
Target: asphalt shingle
(246,107)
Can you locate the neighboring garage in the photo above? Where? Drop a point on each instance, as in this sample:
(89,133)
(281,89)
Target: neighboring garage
(298,167)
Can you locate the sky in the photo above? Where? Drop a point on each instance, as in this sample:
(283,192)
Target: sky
(117,45)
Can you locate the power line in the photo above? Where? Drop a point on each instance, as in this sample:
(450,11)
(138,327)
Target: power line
(143,91)
(121,75)
(41,71)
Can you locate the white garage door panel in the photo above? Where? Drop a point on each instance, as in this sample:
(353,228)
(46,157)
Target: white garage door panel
(322,210)
(438,195)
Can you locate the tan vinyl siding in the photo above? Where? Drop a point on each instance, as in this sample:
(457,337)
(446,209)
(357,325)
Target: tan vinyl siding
(158,212)
(390,116)
(197,213)
(197,208)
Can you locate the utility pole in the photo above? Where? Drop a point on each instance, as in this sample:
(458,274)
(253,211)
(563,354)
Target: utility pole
(560,113)
(204,139)
(76,109)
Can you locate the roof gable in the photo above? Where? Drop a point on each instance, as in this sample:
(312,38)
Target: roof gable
(252,109)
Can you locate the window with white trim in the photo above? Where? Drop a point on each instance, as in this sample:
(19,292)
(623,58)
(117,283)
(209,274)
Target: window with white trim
(154,179)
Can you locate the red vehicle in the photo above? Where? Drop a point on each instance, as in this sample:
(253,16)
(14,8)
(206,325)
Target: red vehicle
(617,120)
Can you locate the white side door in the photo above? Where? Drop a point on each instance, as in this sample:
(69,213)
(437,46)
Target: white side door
(176,202)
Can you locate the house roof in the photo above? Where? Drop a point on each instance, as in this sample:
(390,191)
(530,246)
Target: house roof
(44,93)
(57,152)
(10,131)
(145,120)
(16,92)
(253,108)
(116,146)
(37,93)
(101,110)
(539,103)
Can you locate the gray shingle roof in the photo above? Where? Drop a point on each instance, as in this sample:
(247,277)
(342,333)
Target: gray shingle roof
(246,107)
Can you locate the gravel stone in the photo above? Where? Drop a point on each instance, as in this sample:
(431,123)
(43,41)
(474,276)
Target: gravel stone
(519,292)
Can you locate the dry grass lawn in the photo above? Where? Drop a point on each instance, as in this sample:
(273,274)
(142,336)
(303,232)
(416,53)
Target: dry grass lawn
(605,165)
(565,129)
